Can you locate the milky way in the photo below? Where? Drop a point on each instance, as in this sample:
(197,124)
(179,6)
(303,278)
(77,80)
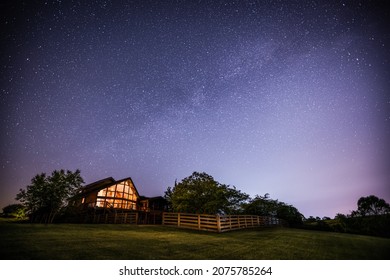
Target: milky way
(290,99)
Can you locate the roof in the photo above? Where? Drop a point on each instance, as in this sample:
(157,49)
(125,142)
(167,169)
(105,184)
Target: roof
(98,185)
(101,184)
(129,178)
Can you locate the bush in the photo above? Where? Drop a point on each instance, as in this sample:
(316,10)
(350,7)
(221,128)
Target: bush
(17,211)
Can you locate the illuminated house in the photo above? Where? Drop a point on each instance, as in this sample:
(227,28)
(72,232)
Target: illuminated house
(122,195)
(108,193)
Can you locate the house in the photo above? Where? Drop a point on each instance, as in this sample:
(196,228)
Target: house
(111,196)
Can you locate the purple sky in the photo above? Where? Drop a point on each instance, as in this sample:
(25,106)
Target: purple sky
(290,99)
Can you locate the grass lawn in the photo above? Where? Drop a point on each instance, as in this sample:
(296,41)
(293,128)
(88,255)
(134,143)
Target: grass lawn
(107,241)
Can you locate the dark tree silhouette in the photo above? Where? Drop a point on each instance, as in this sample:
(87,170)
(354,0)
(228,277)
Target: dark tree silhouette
(372,205)
(15,210)
(47,195)
(265,206)
(200,193)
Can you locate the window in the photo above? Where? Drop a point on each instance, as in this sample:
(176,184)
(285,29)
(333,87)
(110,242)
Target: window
(102,192)
(121,196)
(100,202)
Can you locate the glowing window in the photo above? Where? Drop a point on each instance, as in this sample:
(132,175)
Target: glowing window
(121,195)
(120,187)
(102,192)
(100,202)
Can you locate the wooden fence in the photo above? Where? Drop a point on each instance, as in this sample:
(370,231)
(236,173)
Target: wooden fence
(218,223)
(116,218)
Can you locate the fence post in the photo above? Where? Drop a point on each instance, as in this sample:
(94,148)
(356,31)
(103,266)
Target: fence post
(218,223)
(163,218)
(198,221)
(178,219)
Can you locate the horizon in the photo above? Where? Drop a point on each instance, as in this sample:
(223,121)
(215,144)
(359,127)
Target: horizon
(153,194)
(290,99)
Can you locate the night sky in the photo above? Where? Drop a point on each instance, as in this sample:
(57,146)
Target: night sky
(289,98)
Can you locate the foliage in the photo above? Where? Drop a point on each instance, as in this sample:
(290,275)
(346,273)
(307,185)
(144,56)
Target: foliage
(261,205)
(265,206)
(372,205)
(47,195)
(340,223)
(200,193)
(377,225)
(290,214)
(371,218)
(15,211)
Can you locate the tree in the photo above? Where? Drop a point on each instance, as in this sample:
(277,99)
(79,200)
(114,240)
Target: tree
(311,219)
(47,195)
(372,205)
(200,193)
(265,206)
(261,205)
(15,210)
(290,214)
(168,197)
(341,222)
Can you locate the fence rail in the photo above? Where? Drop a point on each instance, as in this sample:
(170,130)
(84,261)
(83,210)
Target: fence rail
(215,223)
(116,218)
(218,223)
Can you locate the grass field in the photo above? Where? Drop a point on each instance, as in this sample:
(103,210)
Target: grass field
(108,241)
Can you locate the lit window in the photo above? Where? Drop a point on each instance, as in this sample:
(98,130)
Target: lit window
(100,202)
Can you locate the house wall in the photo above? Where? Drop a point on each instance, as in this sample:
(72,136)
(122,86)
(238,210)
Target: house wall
(121,195)
(90,199)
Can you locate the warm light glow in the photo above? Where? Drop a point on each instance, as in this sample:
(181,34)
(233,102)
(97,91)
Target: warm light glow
(121,195)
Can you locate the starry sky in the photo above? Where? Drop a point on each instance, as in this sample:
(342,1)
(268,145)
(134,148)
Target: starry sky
(289,98)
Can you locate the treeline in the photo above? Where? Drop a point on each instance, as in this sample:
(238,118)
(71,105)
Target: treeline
(46,198)
(372,217)
(201,194)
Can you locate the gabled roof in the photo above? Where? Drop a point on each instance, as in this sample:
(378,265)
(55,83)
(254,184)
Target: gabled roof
(98,185)
(128,178)
(101,184)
